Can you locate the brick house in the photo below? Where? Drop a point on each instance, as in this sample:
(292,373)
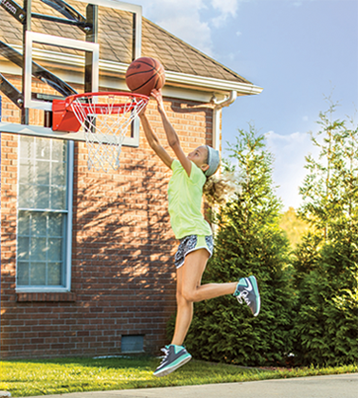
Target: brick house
(86,257)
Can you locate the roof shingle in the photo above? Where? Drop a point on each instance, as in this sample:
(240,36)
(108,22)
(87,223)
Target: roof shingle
(115,39)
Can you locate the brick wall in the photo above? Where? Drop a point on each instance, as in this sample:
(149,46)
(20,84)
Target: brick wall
(123,277)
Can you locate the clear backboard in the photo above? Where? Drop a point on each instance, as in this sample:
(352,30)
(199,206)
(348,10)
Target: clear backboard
(51,49)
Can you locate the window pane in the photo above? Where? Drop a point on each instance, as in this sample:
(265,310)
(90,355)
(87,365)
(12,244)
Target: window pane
(38,249)
(59,150)
(54,274)
(23,226)
(26,172)
(27,147)
(39,224)
(58,175)
(37,273)
(23,273)
(55,224)
(55,249)
(42,172)
(58,198)
(43,146)
(23,248)
(26,196)
(42,197)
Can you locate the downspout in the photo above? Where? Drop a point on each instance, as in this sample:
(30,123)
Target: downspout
(217,113)
(217,127)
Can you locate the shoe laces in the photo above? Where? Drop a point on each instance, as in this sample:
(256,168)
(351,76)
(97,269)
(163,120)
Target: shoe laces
(243,296)
(166,352)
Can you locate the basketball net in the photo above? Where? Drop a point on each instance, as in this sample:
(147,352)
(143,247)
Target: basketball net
(106,118)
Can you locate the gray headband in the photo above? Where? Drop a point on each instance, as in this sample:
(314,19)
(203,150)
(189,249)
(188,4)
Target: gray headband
(213,160)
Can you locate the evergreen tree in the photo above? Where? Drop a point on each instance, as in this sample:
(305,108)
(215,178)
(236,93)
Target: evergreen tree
(326,262)
(249,241)
(294,227)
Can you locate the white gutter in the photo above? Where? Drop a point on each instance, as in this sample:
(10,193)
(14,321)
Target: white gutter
(217,112)
(212,84)
(177,79)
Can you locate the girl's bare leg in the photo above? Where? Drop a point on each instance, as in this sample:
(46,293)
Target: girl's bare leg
(190,290)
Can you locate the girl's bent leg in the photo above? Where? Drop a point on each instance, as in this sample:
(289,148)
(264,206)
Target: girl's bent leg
(192,272)
(189,290)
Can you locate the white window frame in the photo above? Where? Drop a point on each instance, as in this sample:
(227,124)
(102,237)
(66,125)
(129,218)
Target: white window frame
(68,237)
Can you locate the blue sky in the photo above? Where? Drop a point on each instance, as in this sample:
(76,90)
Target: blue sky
(298,51)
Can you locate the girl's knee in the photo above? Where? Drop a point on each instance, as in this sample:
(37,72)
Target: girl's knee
(188,295)
(180,298)
(184,297)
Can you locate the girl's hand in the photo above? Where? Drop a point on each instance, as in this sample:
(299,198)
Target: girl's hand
(157,94)
(142,112)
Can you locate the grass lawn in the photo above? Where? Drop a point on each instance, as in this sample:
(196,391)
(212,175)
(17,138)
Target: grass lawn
(55,376)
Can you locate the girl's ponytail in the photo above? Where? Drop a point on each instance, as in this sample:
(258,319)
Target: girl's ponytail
(219,189)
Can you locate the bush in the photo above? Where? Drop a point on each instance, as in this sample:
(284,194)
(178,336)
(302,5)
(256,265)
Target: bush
(326,263)
(249,241)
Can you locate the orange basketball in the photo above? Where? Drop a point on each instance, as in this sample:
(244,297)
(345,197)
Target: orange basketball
(145,74)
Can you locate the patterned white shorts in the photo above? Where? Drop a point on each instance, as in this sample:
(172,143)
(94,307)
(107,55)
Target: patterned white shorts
(191,243)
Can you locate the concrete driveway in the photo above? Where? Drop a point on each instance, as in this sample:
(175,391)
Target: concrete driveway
(333,386)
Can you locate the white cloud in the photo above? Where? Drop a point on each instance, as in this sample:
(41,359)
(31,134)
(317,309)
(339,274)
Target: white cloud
(184,18)
(296,3)
(289,172)
(191,30)
(225,9)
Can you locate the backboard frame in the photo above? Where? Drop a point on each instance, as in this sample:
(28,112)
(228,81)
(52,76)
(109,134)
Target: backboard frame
(34,37)
(90,48)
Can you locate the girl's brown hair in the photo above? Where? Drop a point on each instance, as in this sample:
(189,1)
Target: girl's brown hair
(219,189)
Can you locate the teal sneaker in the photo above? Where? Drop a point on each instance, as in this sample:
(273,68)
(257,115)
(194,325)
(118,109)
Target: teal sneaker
(248,291)
(174,357)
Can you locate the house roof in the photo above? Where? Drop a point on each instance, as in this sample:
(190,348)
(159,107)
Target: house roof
(115,39)
(178,56)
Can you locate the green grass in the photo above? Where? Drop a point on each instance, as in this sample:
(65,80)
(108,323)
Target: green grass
(57,376)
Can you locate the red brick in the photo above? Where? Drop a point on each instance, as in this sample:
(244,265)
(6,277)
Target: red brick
(122,251)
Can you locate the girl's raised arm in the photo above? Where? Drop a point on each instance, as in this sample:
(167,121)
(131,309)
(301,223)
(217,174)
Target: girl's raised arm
(154,142)
(172,136)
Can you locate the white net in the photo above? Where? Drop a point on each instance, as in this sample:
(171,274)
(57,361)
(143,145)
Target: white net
(106,119)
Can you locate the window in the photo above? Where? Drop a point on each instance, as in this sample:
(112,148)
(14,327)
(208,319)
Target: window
(44,219)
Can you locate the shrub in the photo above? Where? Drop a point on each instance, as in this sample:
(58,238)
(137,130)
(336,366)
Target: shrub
(326,263)
(249,241)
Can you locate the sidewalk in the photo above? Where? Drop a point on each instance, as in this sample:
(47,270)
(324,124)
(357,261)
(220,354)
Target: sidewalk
(333,386)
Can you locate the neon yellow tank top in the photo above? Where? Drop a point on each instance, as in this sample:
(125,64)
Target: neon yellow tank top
(185,196)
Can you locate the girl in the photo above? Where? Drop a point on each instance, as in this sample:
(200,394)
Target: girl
(185,193)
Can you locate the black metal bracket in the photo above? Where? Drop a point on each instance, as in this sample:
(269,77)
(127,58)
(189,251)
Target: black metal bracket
(84,26)
(14,9)
(37,71)
(11,92)
(65,9)
(73,17)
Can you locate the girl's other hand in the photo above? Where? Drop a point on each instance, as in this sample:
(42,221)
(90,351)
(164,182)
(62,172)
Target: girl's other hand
(142,112)
(157,94)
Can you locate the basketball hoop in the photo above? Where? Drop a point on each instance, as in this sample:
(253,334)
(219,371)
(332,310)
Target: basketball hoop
(105,118)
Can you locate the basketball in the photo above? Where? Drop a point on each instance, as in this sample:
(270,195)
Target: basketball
(145,74)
